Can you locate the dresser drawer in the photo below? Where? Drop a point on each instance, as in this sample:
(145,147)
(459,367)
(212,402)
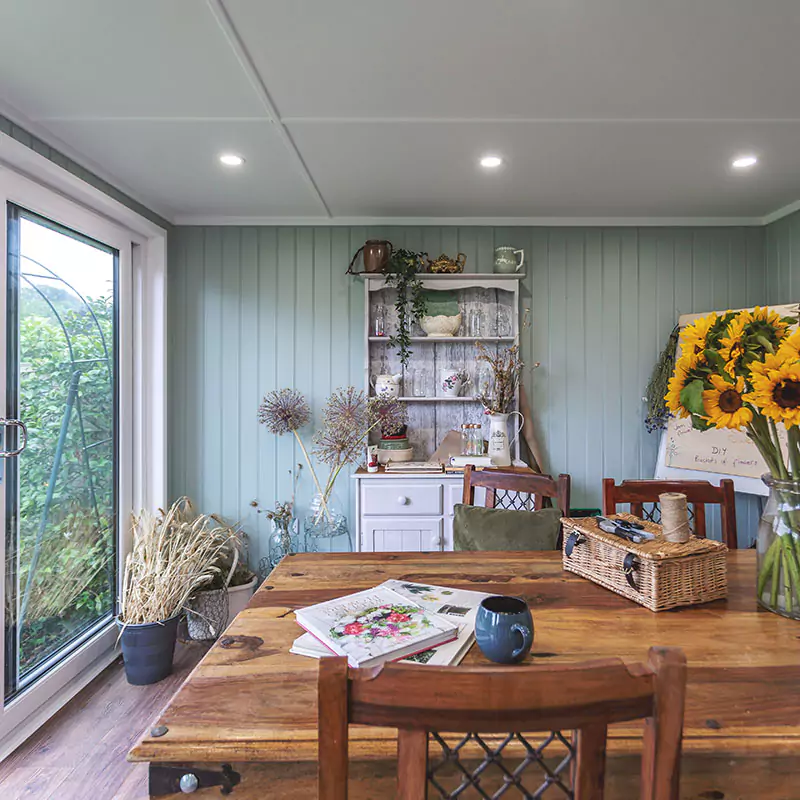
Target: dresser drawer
(401,498)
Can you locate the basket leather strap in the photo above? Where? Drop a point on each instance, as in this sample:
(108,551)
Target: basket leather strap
(629,566)
(574,538)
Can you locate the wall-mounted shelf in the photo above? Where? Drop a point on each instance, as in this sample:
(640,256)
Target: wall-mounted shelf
(452,276)
(454,339)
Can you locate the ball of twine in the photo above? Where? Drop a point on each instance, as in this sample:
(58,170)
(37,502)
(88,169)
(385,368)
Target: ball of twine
(674,517)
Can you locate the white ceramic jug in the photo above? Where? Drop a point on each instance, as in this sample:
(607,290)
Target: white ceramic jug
(387,385)
(505,260)
(499,446)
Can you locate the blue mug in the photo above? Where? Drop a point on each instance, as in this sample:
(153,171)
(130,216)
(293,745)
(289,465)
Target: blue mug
(504,629)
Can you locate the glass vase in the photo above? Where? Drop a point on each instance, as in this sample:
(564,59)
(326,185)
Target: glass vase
(326,528)
(778,549)
(282,540)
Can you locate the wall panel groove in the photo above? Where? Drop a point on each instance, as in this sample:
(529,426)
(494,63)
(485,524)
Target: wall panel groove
(258,308)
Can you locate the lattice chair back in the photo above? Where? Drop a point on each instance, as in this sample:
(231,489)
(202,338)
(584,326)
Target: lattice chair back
(641,498)
(520,490)
(489,702)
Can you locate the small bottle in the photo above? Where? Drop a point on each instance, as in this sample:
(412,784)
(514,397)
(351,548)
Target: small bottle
(379,322)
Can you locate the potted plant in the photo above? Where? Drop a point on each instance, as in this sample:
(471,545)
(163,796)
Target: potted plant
(174,553)
(213,607)
(402,273)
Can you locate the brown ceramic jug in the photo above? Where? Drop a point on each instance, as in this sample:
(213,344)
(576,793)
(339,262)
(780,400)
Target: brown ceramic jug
(376,254)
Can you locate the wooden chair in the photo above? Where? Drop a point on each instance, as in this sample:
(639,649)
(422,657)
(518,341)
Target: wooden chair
(420,701)
(698,494)
(517,489)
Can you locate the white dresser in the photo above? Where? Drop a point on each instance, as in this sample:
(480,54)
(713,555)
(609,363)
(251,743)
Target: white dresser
(406,513)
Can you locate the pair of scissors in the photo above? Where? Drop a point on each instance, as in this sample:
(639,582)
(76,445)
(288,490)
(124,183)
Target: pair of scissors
(632,531)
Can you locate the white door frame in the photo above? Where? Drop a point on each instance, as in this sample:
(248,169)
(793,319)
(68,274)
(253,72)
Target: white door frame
(37,184)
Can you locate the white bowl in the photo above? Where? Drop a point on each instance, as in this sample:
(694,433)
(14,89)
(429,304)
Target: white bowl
(441,325)
(385,456)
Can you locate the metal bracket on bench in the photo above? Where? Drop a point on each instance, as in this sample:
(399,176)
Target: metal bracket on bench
(174,779)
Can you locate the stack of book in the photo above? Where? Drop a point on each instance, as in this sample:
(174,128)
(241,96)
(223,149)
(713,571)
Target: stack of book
(396,620)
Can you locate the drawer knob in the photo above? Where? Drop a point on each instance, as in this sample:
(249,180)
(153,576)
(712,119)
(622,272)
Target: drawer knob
(403,500)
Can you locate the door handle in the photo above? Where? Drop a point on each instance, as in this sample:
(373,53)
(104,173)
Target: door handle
(14,423)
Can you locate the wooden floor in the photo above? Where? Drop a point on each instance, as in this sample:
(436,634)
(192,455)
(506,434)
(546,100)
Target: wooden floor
(80,752)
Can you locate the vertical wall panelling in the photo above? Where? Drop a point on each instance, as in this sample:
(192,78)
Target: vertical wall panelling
(254,309)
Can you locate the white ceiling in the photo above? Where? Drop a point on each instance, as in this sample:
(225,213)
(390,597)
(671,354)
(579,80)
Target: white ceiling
(381,108)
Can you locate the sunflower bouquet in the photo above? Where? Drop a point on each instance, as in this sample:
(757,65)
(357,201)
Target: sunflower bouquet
(741,370)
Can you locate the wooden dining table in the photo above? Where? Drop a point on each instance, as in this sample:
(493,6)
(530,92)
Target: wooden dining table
(246,719)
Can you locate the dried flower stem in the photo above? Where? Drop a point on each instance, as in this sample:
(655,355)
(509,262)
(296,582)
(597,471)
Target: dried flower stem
(323,495)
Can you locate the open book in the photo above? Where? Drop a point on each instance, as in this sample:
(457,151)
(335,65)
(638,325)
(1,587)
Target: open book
(374,626)
(458,605)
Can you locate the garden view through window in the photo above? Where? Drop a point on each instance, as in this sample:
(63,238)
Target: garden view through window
(61,490)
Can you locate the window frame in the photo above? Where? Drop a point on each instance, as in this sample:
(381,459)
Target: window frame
(31,181)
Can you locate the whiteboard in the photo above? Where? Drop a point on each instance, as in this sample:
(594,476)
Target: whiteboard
(688,454)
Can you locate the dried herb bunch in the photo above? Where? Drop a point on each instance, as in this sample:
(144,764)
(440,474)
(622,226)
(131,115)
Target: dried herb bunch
(658,385)
(506,365)
(175,553)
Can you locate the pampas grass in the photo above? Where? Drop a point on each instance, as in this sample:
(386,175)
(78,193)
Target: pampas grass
(175,554)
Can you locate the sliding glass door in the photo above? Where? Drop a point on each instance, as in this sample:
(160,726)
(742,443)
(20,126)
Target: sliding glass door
(60,491)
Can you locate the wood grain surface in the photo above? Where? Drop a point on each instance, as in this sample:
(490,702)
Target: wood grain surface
(250,700)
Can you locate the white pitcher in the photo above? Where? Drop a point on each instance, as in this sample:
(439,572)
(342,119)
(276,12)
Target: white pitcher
(387,385)
(505,260)
(499,447)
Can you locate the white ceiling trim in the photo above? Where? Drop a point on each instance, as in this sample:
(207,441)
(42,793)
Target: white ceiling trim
(533,120)
(500,222)
(780,213)
(51,140)
(220,14)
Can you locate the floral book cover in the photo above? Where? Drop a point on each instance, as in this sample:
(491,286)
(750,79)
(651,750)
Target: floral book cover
(374,626)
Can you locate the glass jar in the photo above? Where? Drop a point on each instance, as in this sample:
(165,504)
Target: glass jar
(778,549)
(379,321)
(471,439)
(282,540)
(326,527)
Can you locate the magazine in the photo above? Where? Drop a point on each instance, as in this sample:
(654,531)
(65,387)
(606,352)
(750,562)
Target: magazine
(375,625)
(458,605)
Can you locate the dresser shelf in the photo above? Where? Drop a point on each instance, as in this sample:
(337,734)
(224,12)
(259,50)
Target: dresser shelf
(464,399)
(448,339)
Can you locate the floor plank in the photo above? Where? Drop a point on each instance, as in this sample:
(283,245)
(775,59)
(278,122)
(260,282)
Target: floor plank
(80,752)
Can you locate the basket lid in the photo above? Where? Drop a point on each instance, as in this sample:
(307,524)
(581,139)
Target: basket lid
(658,549)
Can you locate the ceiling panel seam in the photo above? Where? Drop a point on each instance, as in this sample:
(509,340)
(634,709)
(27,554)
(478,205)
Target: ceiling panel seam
(233,38)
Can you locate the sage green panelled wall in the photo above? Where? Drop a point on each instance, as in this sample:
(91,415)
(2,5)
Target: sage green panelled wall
(257,308)
(783,260)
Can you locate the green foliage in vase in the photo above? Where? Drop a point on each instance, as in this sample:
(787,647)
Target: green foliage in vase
(402,273)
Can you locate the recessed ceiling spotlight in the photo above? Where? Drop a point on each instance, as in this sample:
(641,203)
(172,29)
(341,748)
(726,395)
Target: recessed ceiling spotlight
(743,162)
(491,162)
(231,160)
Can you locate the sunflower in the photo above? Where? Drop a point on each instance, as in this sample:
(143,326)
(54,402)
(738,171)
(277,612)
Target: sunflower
(732,344)
(777,393)
(675,387)
(724,403)
(771,318)
(771,361)
(694,336)
(790,347)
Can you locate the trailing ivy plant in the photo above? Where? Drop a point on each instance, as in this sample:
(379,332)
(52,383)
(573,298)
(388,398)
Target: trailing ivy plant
(402,273)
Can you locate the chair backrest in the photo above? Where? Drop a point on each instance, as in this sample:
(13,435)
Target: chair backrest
(641,494)
(516,489)
(420,701)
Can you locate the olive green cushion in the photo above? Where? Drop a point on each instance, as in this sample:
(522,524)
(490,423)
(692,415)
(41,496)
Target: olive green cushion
(478,528)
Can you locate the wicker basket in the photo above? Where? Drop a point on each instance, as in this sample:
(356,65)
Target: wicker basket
(657,574)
